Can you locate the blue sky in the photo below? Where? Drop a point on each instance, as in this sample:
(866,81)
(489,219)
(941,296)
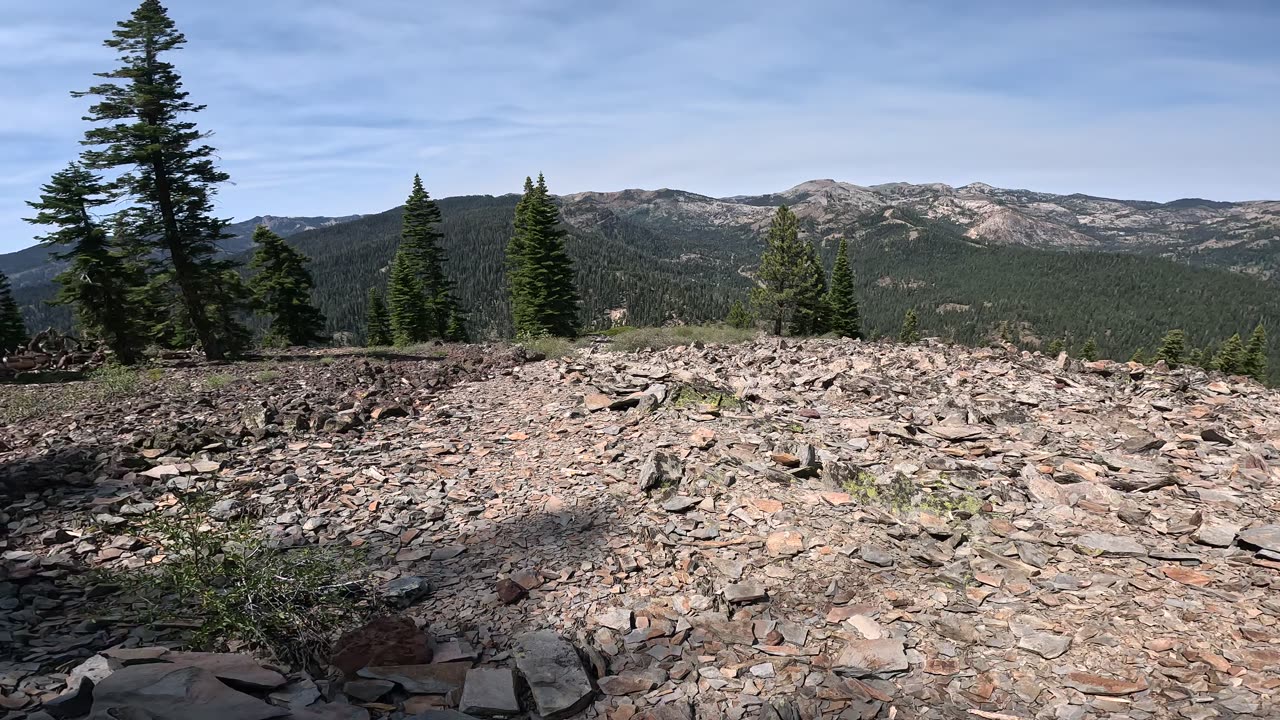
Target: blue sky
(328,107)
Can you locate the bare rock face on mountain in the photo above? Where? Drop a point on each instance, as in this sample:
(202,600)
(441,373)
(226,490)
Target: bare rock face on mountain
(852,529)
(1240,235)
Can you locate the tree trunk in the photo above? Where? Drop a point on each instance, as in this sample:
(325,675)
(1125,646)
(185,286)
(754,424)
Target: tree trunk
(182,267)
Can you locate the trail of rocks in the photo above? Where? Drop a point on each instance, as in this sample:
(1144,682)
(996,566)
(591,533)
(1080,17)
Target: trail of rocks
(775,530)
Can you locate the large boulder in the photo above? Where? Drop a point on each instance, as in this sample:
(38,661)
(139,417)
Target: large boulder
(389,640)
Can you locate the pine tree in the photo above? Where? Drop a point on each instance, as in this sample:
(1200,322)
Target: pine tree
(1139,356)
(784,273)
(1006,336)
(1089,352)
(1195,357)
(544,295)
(846,316)
(13,333)
(101,283)
(1172,349)
(518,271)
(1056,346)
(812,315)
(282,289)
(1207,358)
(407,300)
(377,330)
(456,330)
(1230,359)
(1255,355)
(738,316)
(421,298)
(167,173)
(910,332)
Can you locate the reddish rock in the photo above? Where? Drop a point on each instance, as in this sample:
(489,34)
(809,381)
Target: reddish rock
(1091,684)
(510,592)
(784,542)
(388,640)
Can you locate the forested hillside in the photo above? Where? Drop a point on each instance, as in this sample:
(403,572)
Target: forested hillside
(660,270)
(963,290)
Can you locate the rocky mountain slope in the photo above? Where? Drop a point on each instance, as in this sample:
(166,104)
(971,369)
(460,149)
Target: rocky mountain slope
(773,530)
(1239,236)
(1242,236)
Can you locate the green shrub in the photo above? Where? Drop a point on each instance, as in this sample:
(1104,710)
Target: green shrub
(115,381)
(266,376)
(286,601)
(547,346)
(218,381)
(657,338)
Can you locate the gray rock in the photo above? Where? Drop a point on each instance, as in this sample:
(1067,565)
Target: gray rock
(1109,545)
(489,692)
(96,668)
(875,556)
(162,691)
(228,509)
(872,658)
(435,679)
(680,503)
(1266,537)
(1046,645)
(1216,534)
(368,690)
(238,671)
(405,591)
(660,469)
(630,682)
(616,619)
(74,703)
(442,715)
(554,672)
(745,592)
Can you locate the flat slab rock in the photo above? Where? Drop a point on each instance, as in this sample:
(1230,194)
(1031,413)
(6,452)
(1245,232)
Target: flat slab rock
(489,692)
(434,679)
(745,592)
(1101,544)
(173,692)
(554,672)
(872,658)
(1266,537)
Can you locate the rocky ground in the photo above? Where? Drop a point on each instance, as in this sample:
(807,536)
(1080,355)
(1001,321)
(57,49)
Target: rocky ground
(822,529)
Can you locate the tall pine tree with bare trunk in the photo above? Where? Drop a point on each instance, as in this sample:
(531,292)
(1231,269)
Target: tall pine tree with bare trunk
(144,132)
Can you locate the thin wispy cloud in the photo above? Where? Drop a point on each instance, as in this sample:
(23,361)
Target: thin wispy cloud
(328,107)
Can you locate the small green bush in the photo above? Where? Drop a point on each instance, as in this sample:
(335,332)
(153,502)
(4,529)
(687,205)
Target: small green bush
(266,376)
(287,601)
(115,381)
(218,381)
(657,338)
(550,347)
